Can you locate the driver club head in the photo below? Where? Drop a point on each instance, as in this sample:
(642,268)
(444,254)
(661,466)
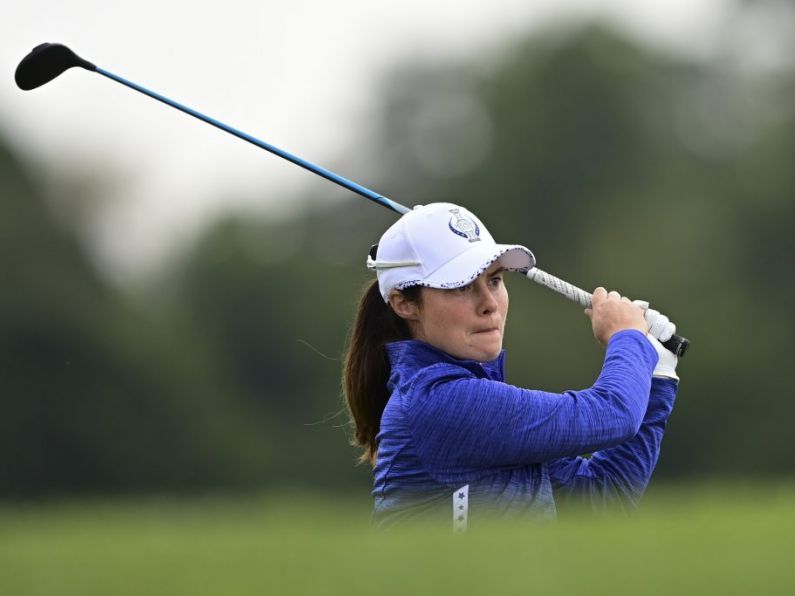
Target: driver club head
(45,62)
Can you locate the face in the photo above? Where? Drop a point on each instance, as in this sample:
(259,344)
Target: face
(467,322)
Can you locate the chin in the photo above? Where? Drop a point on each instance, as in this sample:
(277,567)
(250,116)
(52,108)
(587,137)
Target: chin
(486,354)
(492,356)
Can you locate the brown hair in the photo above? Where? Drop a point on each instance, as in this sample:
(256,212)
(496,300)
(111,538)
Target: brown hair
(366,366)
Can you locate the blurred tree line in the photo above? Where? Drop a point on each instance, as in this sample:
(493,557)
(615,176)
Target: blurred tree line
(665,177)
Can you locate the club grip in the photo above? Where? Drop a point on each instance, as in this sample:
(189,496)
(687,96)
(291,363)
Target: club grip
(676,344)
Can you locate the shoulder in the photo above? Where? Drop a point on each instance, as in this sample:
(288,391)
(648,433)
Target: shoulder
(425,381)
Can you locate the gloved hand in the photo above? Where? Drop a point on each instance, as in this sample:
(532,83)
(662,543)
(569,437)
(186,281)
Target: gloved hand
(659,325)
(666,365)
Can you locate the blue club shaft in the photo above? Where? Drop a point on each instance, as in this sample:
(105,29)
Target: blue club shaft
(677,344)
(307,165)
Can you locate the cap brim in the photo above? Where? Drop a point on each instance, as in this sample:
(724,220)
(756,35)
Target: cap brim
(466,267)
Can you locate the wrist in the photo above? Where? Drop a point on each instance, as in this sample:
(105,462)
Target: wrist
(625,331)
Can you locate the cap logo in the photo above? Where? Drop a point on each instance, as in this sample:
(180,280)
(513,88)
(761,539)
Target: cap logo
(464,226)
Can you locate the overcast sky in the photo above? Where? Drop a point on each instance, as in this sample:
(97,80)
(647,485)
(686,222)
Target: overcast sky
(302,75)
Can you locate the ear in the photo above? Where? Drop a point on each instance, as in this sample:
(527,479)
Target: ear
(403,307)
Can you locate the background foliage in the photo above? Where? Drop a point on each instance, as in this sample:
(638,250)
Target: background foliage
(665,177)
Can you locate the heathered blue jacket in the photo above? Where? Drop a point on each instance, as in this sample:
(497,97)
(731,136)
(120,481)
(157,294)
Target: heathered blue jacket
(450,423)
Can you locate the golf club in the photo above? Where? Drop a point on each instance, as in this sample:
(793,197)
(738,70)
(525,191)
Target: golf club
(48,60)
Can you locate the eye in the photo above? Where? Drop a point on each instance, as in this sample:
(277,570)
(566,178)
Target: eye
(495,280)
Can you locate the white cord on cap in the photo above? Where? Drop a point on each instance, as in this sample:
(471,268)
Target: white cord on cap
(373,264)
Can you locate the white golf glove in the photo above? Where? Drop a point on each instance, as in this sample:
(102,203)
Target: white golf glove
(666,365)
(660,326)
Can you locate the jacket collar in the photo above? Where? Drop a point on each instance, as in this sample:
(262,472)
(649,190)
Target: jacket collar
(412,355)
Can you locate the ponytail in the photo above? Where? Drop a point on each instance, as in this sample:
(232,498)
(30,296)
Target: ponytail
(366,367)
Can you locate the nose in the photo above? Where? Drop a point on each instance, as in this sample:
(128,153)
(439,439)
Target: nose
(487,302)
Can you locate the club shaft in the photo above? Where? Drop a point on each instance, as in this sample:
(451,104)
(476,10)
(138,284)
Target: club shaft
(581,297)
(314,168)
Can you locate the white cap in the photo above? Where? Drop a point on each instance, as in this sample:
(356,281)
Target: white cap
(440,245)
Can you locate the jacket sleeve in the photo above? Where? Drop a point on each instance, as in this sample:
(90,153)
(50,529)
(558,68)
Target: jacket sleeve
(619,474)
(462,424)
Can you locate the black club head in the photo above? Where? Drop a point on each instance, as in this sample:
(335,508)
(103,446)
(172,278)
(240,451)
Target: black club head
(44,63)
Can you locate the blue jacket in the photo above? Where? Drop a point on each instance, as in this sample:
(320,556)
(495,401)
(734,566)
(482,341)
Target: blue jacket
(451,423)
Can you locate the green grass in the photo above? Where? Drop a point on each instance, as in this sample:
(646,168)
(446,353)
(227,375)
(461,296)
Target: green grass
(715,540)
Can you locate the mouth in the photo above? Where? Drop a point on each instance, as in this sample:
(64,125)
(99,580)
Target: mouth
(489,330)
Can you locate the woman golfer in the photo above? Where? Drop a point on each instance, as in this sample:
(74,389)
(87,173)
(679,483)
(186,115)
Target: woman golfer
(424,382)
